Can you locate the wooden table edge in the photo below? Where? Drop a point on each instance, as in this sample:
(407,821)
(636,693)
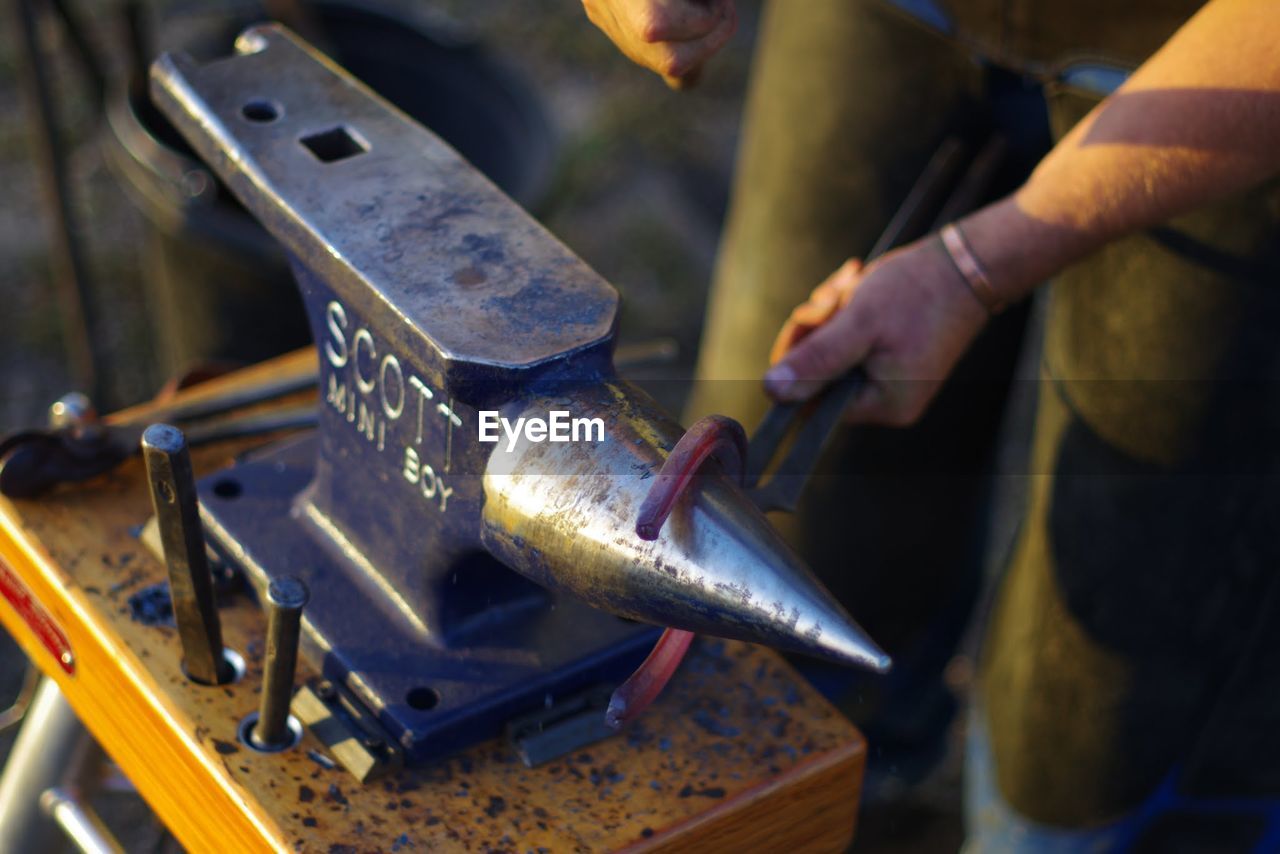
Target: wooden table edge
(716,829)
(111,685)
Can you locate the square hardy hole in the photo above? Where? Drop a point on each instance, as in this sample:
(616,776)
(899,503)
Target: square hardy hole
(334,144)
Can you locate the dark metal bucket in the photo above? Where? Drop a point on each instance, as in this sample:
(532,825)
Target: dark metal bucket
(218,287)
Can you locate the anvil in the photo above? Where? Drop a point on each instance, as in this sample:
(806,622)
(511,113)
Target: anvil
(456,582)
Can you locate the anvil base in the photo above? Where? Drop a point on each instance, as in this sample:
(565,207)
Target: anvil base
(434,696)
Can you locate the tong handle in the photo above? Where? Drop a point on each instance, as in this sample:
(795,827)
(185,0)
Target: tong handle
(789,477)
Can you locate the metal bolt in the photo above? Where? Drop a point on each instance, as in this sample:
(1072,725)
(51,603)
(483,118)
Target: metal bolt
(285,599)
(73,409)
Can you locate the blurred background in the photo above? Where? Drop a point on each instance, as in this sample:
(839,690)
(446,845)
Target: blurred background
(123,266)
(631,176)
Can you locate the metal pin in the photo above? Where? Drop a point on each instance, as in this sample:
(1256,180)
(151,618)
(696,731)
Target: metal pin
(285,599)
(173,494)
(73,409)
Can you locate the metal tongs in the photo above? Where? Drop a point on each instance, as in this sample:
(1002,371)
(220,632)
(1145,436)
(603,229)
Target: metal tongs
(77,445)
(805,428)
(810,425)
(941,194)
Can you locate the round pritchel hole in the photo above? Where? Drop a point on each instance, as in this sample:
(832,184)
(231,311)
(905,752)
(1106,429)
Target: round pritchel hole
(423,698)
(228,488)
(245,734)
(261,110)
(233,670)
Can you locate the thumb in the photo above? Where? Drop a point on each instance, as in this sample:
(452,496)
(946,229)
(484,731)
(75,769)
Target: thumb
(820,357)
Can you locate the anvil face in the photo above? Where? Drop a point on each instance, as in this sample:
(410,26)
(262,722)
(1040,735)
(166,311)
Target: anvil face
(433,297)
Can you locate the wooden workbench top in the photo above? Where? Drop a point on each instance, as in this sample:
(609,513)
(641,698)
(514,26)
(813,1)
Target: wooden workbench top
(739,754)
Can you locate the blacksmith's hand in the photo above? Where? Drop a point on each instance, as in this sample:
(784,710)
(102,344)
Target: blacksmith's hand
(906,318)
(673,38)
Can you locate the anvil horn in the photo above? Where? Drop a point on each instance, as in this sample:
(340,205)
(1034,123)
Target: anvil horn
(564,514)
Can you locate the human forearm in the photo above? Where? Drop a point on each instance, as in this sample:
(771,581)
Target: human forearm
(1199,121)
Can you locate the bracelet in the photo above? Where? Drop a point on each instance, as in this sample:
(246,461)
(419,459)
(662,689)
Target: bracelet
(970,268)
